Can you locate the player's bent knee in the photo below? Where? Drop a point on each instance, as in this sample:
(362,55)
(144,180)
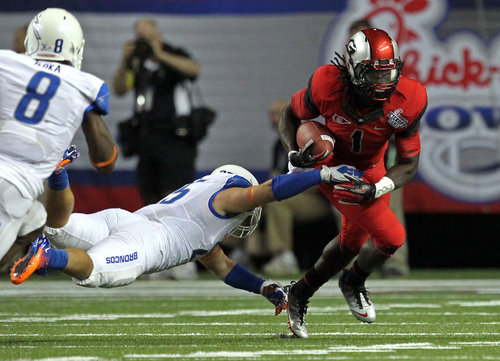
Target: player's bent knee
(390,240)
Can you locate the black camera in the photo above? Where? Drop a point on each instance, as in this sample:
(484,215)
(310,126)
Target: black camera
(142,51)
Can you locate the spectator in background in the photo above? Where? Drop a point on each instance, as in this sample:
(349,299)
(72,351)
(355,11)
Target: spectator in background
(153,69)
(304,208)
(397,265)
(18,39)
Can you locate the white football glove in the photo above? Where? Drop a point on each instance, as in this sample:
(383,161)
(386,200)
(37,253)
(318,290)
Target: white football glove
(337,174)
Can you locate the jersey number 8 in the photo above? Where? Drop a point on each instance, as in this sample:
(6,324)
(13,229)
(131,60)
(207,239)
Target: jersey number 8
(33,116)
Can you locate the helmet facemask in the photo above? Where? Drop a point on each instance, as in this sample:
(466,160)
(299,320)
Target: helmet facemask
(377,80)
(248,226)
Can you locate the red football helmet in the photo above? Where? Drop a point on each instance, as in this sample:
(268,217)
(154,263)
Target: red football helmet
(373,63)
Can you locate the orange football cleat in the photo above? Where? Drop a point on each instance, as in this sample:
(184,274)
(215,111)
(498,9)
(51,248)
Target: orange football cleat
(35,259)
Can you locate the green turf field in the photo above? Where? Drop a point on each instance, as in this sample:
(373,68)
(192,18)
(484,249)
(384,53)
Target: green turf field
(427,317)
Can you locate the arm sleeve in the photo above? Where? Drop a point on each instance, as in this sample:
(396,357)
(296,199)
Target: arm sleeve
(287,185)
(409,146)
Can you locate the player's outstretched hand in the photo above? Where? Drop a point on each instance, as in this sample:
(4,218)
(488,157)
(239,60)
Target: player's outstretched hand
(355,191)
(69,156)
(302,158)
(275,294)
(339,173)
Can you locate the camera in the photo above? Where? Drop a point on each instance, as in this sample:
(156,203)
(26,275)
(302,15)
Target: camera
(142,51)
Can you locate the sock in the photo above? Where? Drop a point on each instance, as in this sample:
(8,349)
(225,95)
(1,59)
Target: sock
(58,258)
(58,181)
(309,284)
(356,276)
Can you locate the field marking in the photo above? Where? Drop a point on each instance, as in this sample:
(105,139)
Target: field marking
(217,289)
(66,358)
(190,334)
(491,303)
(333,349)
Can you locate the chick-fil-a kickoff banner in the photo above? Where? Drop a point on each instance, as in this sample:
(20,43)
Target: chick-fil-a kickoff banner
(459,168)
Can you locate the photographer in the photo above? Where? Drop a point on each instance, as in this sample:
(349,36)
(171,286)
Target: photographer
(153,69)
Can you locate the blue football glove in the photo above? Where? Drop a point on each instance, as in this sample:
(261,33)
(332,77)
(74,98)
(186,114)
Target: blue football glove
(69,156)
(275,294)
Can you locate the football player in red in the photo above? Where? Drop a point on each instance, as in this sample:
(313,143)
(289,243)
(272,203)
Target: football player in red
(364,101)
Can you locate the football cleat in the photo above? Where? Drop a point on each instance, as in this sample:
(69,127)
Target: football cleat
(275,294)
(35,259)
(357,299)
(69,156)
(296,310)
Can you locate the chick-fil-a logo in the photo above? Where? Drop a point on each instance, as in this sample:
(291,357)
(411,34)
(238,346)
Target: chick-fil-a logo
(463,72)
(460,132)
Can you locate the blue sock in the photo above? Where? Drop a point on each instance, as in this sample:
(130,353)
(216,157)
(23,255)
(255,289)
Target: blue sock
(58,181)
(58,258)
(240,277)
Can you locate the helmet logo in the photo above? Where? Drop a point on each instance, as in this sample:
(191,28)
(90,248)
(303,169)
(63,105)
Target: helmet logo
(351,47)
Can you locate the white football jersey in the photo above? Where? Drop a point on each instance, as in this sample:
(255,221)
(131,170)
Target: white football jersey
(192,227)
(42,104)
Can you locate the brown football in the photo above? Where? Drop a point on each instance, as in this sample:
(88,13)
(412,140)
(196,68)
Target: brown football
(322,137)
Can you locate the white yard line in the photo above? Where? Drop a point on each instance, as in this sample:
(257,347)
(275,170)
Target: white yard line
(215,288)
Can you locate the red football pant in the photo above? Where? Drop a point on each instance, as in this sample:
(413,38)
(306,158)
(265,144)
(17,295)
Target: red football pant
(372,219)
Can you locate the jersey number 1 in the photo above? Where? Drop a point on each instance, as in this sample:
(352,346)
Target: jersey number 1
(33,95)
(356,138)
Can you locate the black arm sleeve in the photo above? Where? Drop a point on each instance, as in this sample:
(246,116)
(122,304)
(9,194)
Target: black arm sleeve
(308,100)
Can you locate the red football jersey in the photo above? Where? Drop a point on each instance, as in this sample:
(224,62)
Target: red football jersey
(361,135)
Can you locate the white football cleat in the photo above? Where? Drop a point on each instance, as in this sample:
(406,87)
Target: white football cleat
(357,299)
(296,310)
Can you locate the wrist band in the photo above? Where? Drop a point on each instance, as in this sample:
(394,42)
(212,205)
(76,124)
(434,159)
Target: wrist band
(383,186)
(108,162)
(252,201)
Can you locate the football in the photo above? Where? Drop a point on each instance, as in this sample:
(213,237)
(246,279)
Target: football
(322,137)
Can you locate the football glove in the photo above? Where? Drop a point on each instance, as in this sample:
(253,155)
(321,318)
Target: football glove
(69,156)
(274,294)
(338,173)
(302,158)
(355,191)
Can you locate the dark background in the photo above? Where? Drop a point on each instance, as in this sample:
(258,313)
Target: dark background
(453,240)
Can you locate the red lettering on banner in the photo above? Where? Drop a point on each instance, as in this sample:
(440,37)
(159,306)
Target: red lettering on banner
(463,74)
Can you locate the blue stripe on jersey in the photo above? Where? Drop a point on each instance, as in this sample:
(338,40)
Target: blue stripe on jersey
(100,105)
(234,181)
(101,102)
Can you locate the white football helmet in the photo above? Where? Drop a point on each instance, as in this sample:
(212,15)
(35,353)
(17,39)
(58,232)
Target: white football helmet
(373,63)
(55,35)
(251,222)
